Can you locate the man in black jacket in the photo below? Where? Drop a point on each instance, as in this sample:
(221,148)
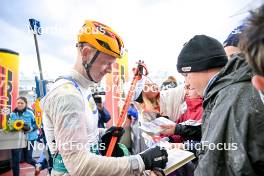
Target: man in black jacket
(233,122)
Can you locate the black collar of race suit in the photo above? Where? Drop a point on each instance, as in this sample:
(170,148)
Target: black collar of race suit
(87,66)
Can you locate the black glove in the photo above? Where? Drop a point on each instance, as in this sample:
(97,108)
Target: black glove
(26,127)
(189,132)
(106,138)
(154,158)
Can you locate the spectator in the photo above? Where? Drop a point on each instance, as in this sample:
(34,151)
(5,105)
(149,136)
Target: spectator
(232,41)
(233,116)
(186,132)
(169,83)
(152,102)
(21,112)
(180,132)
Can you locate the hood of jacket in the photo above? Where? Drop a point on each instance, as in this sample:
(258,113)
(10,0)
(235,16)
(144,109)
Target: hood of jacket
(237,70)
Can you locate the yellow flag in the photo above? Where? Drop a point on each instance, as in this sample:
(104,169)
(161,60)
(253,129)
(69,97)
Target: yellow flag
(38,113)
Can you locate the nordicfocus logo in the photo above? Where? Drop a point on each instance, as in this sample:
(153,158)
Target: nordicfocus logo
(206,145)
(186,69)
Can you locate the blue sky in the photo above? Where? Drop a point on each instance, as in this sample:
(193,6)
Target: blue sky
(153,30)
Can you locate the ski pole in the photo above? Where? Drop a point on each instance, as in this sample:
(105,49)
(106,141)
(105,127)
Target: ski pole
(138,72)
(40,87)
(35,27)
